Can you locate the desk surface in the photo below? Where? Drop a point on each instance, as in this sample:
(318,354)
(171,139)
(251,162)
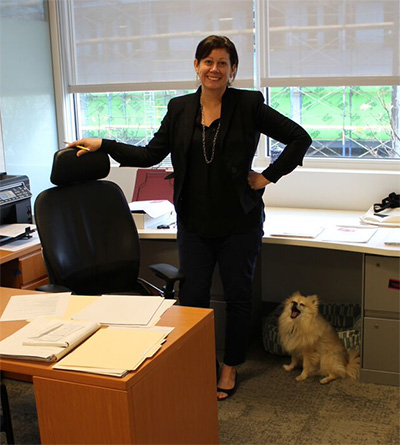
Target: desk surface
(276,215)
(183,319)
(7,255)
(158,403)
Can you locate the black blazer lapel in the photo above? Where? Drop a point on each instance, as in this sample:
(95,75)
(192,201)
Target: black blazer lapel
(191,110)
(229,101)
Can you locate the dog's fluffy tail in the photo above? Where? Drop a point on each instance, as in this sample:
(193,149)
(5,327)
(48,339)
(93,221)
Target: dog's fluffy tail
(353,365)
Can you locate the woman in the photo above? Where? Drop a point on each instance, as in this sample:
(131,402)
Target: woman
(212,136)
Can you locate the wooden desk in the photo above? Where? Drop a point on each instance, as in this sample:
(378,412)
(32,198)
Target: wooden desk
(23,269)
(375,273)
(170,399)
(276,216)
(325,218)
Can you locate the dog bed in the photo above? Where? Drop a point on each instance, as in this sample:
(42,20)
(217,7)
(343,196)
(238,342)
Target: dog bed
(345,318)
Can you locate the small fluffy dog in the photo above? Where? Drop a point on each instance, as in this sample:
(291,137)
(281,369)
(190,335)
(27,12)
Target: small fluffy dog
(313,343)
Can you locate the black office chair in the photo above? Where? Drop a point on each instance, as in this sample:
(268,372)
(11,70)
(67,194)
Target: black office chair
(88,235)
(5,419)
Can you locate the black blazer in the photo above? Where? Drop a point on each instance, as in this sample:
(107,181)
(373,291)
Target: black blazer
(244,116)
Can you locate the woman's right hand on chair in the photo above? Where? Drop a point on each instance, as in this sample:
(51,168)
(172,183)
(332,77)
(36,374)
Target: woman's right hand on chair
(85,145)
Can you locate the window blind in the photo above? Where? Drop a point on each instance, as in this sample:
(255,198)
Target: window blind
(329,42)
(119,45)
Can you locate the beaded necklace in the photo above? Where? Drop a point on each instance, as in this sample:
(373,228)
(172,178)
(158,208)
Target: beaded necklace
(208,160)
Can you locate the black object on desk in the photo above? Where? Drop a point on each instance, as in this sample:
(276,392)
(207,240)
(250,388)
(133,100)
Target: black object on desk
(15,199)
(24,235)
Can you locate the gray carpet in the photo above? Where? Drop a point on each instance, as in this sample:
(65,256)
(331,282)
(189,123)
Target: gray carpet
(270,407)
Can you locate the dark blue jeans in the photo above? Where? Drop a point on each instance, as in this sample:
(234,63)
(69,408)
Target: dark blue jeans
(236,256)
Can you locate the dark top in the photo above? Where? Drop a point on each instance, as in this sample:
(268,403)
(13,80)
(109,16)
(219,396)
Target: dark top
(211,209)
(224,190)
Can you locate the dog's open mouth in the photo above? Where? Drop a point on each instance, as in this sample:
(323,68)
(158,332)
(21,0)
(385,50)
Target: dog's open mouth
(295,312)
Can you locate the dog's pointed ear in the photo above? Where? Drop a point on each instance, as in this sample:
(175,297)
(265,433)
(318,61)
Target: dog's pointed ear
(314,300)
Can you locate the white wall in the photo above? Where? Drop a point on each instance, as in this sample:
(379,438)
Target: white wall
(125,177)
(27,100)
(310,188)
(332,189)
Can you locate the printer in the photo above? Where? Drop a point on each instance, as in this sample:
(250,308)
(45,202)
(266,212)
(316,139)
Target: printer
(15,199)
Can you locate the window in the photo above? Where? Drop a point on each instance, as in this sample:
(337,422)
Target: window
(130,117)
(329,42)
(331,65)
(138,45)
(344,122)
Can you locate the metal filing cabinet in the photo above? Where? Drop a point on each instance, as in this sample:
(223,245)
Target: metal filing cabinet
(381,323)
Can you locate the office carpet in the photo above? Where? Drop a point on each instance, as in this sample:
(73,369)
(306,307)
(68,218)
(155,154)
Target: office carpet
(270,407)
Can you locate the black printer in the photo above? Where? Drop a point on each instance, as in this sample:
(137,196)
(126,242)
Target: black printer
(15,199)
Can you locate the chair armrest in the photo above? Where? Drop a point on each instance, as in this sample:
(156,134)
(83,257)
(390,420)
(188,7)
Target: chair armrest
(170,274)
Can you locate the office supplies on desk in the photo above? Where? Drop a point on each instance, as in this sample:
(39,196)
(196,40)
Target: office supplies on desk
(152,183)
(122,350)
(351,234)
(389,217)
(150,214)
(15,199)
(393,238)
(14,232)
(22,243)
(121,310)
(27,307)
(77,303)
(296,231)
(25,343)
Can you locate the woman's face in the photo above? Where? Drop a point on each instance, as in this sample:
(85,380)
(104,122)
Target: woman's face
(215,70)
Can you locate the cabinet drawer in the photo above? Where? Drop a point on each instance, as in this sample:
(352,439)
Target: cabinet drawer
(34,284)
(381,344)
(31,267)
(382,275)
(24,272)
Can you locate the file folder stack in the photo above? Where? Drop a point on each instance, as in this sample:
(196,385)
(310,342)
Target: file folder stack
(128,336)
(115,351)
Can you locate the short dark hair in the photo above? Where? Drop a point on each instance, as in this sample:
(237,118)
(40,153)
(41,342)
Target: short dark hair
(210,43)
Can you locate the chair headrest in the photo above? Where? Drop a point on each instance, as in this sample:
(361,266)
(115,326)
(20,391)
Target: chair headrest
(68,168)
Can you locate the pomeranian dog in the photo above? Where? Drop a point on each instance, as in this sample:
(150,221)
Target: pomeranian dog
(313,343)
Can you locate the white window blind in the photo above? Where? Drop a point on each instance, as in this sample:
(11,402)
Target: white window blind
(329,42)
(120,45)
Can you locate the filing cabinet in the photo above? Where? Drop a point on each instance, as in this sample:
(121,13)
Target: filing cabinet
(25,272)
(381,323)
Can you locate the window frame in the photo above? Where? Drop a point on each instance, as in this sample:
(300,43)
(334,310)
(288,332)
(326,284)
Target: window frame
(68,111)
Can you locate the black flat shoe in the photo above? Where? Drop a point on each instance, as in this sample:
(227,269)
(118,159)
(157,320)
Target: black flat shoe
(228,392)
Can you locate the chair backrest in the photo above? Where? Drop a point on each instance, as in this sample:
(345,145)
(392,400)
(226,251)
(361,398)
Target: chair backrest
(153,184)
(89,238)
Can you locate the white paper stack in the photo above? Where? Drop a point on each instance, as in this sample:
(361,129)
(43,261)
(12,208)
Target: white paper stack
(296,231)
(131,310)
(386,218)
(29,306)
(46,339)
(152,213)
(393,238)
(112,350)
(348,234)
